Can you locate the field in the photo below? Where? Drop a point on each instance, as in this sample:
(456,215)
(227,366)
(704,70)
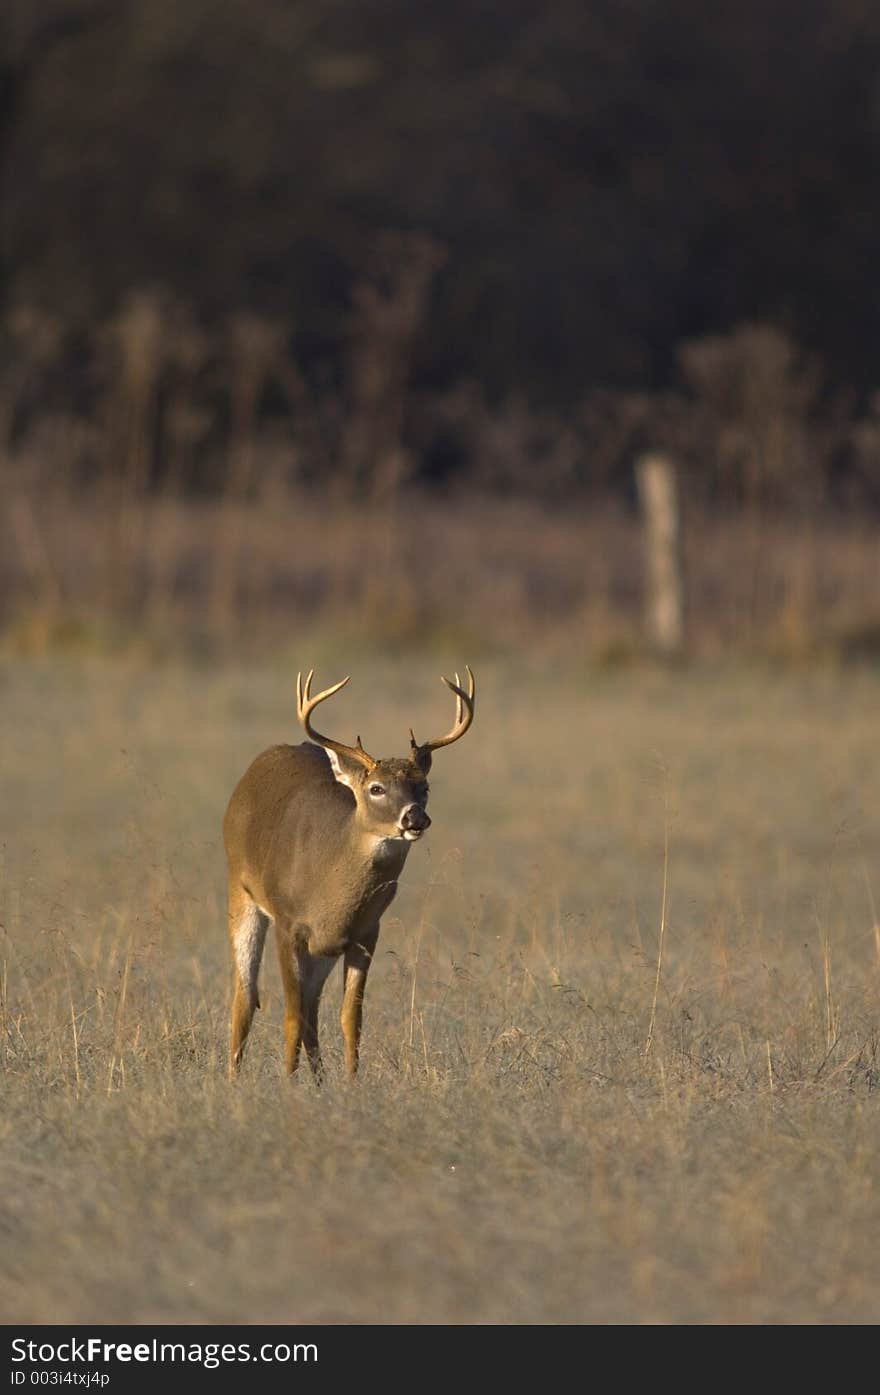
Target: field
(573,1106)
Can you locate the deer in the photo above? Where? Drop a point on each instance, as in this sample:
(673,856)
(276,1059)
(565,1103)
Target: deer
(316,837)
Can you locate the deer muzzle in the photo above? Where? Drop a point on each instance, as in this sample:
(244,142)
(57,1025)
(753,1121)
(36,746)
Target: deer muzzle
(413,822)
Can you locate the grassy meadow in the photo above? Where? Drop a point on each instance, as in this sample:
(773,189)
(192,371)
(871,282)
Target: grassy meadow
(546,1128)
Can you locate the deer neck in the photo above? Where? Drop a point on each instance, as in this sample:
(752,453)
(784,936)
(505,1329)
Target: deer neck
(384,856)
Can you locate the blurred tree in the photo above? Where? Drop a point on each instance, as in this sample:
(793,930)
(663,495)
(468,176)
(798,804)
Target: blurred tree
(609,178)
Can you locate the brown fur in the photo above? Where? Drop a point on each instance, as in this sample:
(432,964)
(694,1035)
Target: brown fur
(317,859)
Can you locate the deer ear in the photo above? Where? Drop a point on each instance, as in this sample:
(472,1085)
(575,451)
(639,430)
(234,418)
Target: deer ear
(344,768)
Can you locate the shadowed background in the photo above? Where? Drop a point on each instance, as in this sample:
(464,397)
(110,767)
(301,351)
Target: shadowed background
(282,284)
(339,335)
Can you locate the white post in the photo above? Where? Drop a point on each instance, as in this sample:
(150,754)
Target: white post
(657,482)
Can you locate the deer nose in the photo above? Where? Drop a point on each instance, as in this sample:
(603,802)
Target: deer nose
(414,819)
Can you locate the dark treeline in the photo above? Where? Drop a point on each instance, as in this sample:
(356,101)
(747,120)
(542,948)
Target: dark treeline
(510,238)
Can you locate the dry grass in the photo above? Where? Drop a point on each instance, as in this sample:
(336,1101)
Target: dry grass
(512,1151)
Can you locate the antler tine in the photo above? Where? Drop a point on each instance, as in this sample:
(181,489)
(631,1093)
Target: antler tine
(464,713)
(300,693)
(305,706)
(304,700)
(459,708)
(462,698)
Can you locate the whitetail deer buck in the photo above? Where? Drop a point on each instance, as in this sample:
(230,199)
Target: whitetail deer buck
(316,837)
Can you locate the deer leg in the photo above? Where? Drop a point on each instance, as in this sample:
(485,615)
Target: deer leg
(357,965)
(313,971)
(293,1013)
(247,931)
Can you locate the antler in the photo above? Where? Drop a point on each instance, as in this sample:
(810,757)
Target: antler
(464,715)
(305,706)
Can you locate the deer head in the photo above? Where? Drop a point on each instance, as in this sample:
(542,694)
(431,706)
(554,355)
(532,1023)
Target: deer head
(391,794)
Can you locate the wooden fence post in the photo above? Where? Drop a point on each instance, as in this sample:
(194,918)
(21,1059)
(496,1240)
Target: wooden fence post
(657,481)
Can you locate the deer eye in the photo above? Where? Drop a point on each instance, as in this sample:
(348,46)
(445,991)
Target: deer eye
(376,790)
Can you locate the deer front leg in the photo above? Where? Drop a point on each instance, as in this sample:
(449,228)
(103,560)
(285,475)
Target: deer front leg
(357,965)
(313,971)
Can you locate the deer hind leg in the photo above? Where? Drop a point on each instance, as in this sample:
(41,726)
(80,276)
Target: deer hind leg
(357,966)
(247,930)
(293,1023)
(313,971)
